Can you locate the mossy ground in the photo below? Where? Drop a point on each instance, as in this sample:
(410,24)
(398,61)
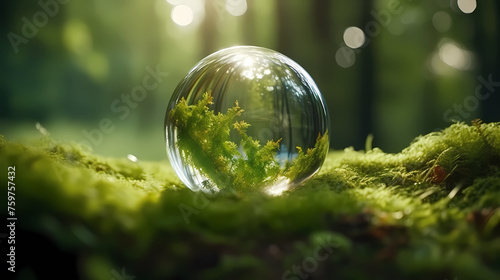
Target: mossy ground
(429,212)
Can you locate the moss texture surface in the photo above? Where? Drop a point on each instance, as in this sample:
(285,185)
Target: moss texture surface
(429,212)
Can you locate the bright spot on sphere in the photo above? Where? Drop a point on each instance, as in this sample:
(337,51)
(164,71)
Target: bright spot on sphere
(345,57)
(182,15)
(248,61)
(354,37)
(441,21)
(467,6)
(132,158)
(236,7)
(278,188)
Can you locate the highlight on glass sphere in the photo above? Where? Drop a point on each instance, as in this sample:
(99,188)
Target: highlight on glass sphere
(246,119)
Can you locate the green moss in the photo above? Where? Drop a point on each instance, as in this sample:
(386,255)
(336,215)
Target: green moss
(385,216)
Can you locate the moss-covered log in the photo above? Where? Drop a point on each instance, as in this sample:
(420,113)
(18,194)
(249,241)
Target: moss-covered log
(431,211)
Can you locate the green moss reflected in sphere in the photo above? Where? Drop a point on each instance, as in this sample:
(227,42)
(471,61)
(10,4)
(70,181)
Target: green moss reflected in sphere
(278,100)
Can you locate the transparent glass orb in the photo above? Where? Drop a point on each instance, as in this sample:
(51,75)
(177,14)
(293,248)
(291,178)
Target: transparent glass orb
(245,119)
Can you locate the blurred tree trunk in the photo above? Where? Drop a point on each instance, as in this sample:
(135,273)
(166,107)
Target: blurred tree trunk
(322,21)
(249,28)
(487,28)
(367,82)
(208,30)
(283,27)
(323,27)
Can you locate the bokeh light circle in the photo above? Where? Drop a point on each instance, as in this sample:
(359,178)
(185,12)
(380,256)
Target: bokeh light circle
(182,15)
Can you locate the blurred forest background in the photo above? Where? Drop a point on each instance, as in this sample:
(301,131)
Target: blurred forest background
(396,69)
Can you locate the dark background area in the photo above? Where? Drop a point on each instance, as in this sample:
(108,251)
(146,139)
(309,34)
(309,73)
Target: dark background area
(410,68)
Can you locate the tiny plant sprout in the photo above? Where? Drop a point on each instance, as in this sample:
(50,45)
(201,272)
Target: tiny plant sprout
(246,119)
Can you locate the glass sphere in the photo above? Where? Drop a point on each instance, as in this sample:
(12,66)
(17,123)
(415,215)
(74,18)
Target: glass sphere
(246,118)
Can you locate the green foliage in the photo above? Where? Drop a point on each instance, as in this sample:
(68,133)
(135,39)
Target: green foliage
(257,165)
(204,141)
